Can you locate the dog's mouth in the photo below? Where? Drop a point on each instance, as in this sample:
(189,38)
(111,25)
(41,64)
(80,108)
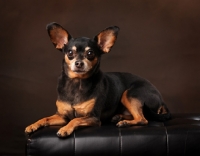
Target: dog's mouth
(79,67)
(79,71)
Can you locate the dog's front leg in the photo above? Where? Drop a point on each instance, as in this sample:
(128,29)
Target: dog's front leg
(52,120)
(76,122)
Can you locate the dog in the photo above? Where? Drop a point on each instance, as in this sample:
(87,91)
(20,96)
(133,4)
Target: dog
(89,97)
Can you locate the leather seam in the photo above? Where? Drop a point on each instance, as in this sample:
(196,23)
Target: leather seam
(167,140)
(74,144)
(120,142)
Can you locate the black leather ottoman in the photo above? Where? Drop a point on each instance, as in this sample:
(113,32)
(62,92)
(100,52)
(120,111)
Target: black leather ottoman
(178,136)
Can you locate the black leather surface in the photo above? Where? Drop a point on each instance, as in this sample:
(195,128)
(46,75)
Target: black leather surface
(179,136)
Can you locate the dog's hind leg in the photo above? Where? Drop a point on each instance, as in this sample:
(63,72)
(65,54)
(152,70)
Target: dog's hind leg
(135,107)
(120,117)
(125,115)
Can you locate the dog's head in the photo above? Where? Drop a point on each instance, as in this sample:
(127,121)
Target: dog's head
(82,55)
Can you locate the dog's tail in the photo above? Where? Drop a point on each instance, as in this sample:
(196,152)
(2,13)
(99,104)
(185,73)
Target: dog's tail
(163,113)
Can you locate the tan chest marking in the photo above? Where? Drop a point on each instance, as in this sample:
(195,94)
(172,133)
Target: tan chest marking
(84,108)
(80,109)
(63,108)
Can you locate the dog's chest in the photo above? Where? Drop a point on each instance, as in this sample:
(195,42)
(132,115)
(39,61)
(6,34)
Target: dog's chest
(77,110)
(74,91)
(75,99)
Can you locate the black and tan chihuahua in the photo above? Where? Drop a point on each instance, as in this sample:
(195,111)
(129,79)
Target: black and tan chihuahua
(88,97)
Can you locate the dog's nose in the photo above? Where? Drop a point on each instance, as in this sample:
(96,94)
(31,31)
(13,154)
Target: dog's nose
(79,64)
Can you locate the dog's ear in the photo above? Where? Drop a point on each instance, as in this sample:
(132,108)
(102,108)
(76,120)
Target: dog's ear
(106,38)
(58,35)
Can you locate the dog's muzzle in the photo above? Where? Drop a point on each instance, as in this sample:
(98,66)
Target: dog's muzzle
(79,64)
(79,67)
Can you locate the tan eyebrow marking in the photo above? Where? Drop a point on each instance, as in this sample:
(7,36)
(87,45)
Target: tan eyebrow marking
(74,48)
(87,48)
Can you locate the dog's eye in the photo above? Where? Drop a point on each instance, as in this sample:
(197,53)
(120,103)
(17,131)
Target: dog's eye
(70,53)
(90,54)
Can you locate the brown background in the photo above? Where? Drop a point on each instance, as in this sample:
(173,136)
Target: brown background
(158,40)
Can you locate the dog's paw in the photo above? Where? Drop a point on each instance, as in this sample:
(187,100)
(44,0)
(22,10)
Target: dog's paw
(116,118)
(64,132)
(31,128)
(122,124)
